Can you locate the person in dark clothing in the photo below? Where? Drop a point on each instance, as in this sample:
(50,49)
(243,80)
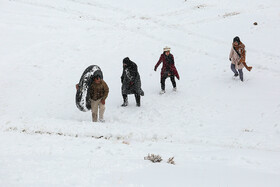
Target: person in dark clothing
(168,69)
(131,82)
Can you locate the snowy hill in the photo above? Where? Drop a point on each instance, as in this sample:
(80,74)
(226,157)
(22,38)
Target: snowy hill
(222,132)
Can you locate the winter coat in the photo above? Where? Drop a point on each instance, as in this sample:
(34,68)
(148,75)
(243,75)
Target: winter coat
(99,91)
(237,55)
(131,82)
(168,66)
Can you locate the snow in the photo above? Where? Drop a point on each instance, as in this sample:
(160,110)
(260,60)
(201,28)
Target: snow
(221,132)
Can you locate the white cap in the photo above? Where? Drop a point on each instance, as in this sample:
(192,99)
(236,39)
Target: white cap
(166,49)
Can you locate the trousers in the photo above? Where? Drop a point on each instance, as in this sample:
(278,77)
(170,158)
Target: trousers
(236,73)
(95,105)
(162,81)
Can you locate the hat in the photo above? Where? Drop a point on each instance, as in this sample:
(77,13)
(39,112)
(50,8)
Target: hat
(236,39)
(126,60)
(96,76)
(166,49)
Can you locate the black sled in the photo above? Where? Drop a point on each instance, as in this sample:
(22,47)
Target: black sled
(82,95)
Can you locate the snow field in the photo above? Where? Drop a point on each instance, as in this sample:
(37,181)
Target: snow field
(222,132)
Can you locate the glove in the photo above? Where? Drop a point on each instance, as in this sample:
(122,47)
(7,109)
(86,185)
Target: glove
(229,59)
(103,101)
(155,69)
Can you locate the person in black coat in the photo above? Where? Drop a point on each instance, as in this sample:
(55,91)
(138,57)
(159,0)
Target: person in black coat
(131,82)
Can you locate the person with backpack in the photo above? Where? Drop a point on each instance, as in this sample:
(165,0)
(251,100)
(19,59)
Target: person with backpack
(237,57)
(131,82)
(168,69)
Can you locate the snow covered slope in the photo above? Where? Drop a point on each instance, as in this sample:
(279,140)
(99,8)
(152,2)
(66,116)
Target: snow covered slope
(222,132)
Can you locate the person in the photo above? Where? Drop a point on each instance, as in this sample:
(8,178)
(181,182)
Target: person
(237,57)
(131,82)
(168,69)
(98,93)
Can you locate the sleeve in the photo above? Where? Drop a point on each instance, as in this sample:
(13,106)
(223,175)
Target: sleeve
(159,61)
(231,53)
(122,77)
(106,90)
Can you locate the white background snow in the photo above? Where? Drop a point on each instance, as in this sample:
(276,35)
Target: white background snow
(222,132)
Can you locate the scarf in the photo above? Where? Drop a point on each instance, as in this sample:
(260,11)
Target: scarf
(237,47)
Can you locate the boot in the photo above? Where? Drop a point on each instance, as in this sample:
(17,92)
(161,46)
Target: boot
(137,98)
(125,101)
